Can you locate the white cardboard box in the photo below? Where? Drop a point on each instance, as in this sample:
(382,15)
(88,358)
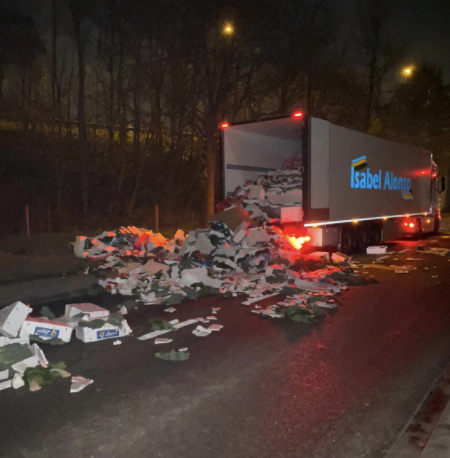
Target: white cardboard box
(379,249)
(12,318)
(291,214)
(94,311)
(46,329)
(108,331)
(22,340)
(293,196)
(78,246)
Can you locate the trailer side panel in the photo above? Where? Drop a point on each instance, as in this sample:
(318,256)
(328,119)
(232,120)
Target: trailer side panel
(370,177)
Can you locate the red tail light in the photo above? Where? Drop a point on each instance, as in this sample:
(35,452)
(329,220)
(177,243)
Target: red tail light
(297,114)
(224,125)
(411,225)
(296,242)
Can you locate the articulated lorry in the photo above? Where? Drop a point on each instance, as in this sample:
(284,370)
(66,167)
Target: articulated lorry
(355,185)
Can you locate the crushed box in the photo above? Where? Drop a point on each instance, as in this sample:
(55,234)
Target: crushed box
(46,329)
(12,318)
(92,310)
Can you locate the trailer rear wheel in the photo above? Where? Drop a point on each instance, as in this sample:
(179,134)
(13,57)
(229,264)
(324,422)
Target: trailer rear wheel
(347,240)
(375,234)
(419,231)
(363,238)
(436,225)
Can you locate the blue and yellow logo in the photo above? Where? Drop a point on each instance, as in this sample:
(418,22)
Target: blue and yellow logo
(363,178)
(48,333)
(109,334)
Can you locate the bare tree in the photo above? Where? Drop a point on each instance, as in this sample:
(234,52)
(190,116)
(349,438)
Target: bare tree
(381,56)
(78,10)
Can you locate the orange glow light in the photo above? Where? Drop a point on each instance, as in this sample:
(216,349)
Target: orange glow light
(294,242)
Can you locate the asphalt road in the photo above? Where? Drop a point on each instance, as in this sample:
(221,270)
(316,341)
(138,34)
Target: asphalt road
(258,388)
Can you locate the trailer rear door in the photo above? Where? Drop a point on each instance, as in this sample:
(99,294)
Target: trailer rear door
(250,149)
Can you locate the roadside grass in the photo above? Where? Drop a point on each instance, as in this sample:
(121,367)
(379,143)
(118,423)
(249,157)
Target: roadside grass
(49,255)
(37,256)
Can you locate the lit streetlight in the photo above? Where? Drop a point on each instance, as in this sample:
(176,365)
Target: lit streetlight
(228,29)
(407,71)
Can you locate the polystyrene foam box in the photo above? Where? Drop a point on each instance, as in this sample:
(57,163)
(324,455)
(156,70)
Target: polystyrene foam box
(12,318)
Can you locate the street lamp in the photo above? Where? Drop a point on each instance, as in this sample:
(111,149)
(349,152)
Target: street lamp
(407,71)
(228,29)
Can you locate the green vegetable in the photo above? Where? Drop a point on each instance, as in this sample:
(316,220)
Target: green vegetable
(174,299)
(12,354)
(158,324)
(116,319)
(47,313)
(36,377)
(191,293)
(318,311)
(95,289)
(129,304)
(291,291)
(38,339)
(94,324)
(299,314)
(173,356)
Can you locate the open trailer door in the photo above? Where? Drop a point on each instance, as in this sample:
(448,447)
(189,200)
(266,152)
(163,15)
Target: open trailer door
(254,148)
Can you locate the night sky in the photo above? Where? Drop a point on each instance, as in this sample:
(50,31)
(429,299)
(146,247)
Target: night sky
(422,26)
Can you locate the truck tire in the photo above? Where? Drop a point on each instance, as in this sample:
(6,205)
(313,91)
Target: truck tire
(363,238)
(347,240)
(437,222)
(375,234)
(419,232)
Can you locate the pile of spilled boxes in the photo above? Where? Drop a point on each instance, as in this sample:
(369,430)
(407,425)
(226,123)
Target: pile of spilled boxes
(275,197)
(90,322)
(16,353)
(232,257)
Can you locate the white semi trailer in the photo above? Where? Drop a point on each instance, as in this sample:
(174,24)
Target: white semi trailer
(355,185)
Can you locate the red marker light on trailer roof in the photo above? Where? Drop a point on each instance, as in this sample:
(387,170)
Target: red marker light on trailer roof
(298,114)
(224,125)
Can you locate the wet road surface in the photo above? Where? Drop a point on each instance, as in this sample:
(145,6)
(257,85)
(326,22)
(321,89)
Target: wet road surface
(344,387)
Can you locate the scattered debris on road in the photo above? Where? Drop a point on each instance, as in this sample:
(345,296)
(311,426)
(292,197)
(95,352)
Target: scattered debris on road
(244,253)
(444,252)
(173,355)
(79,383)
(378,249)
